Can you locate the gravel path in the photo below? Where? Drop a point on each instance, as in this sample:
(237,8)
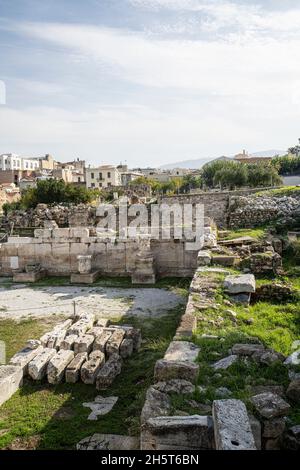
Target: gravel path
(21,301)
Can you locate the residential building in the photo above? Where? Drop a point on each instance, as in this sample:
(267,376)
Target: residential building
(12,161)
(244,157)
(103,176)
(129,176)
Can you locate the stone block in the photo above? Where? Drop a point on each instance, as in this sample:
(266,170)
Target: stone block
(23,357)
(247,349)
(225,260)
(167,370)
(84,343)
(43,233)
(108,442)
(178,433)
(95,331)
(232,426)
(203,258)
(109,372)
(101,341)
(29,277)
(293,391)
(269,405)
(68,342)
(293,359)
(56,338)
(126,348)
(11,378)
(57,366)
(178,386)
(114,342)
(85,278)
(74,367)
(63,233)
(81,326)
(91,368)
(244,283)
(181,351)
(156,404)
(37,368)
(79,232)
(225,362)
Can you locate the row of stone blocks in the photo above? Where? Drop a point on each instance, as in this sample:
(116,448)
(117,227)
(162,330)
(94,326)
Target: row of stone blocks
(81,349)
(228,429)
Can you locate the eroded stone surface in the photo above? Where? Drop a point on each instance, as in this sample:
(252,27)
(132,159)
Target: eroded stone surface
(83,343)
(114,342)
(156,404)
(108,372)
(90,368)
(126,348)
(73,369)
(178,433)
(247,349)
(167,370)
(181,351)
(232,426)
(244,283)
(108,442)
(101,341)
(175,386)
(225,362)
(57,366)
(68,342)
(38,366)
(23,357)
(269,405)
(11,378)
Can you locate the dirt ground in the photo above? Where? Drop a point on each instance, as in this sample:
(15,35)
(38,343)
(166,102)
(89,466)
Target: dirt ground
(21,301)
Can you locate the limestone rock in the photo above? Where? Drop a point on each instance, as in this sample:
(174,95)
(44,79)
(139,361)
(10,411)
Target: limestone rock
(38,366)
(291,440)
(108,442)
(232,426)
(204,258)
(225,362)
(273,428)
(100,406)
(167,370)
(101,341)
(269,405)
(247,349)
(108,372)
(293,391)
(126,348)
(256,431)
(175,386)
(32,344)
(73,369)
(244,283)
(57,366)
(90,368)
(293,359)
(156,404)
(11,378)
(68,342)
(114,342)
(83,343)
(178,433)
(23,357)
(181,351)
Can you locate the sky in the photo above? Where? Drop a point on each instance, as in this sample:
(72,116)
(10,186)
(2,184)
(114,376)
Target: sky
(148,82)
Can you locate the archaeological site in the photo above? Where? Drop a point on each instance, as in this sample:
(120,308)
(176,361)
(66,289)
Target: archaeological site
(112,342)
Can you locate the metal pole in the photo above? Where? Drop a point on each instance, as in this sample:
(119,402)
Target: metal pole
(74,308)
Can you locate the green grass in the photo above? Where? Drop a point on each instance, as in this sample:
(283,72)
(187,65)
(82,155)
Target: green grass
(53,416)
(257,233)
(15,334)
(284,191)
(275,325)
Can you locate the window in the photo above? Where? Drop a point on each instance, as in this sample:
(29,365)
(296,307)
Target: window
(108,174)
(100,176)
(79,179)
(93,185)
(109,185)
(92,176)
(100,185)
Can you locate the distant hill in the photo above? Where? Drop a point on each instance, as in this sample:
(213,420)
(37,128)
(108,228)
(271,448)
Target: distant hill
(199,162)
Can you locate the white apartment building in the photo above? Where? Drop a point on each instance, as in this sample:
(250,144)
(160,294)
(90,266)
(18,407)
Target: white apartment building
(11,161)
(103,176)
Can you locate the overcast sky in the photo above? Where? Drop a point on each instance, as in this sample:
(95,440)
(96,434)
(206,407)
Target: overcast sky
(149,81)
